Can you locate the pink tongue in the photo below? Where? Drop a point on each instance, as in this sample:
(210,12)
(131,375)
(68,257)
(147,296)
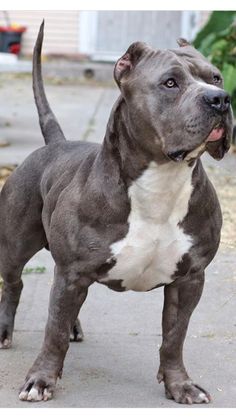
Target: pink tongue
(216,134)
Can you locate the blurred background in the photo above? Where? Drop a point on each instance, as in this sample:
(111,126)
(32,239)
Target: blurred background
(103,35)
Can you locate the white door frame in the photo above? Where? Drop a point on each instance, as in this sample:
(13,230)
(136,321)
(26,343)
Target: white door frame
(190,24)
(87,31)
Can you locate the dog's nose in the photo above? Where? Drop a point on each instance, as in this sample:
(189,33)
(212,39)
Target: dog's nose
(220,100)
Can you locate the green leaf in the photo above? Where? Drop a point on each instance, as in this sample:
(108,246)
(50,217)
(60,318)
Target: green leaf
(218,21)
(205,47)
(229,74)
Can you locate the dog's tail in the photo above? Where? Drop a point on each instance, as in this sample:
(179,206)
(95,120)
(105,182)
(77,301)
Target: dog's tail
(49,125)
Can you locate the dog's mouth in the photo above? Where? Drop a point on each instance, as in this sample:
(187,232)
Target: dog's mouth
(216,134)
(217,143)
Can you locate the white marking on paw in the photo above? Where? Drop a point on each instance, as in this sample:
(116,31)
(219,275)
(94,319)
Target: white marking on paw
(23,395)
(34,395)
(47,395)
(203,398)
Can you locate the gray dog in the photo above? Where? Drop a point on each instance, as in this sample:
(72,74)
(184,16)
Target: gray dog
(134,213)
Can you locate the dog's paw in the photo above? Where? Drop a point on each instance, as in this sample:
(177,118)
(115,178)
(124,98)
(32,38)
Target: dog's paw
(37,389)
(5,342)
(6,328)
(187,393)
(76,334)
(179,387)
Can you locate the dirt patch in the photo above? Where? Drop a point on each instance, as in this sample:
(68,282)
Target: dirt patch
(5,171)
(4,143)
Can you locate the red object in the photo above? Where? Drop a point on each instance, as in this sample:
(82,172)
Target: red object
(10,38)
(14,49)
(18,29)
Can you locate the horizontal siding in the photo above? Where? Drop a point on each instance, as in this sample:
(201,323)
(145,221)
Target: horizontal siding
(61,30)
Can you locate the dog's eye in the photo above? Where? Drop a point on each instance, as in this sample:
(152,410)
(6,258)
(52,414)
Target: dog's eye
(170,83)
(216,79)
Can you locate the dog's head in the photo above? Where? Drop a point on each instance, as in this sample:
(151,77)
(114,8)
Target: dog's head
(176,101)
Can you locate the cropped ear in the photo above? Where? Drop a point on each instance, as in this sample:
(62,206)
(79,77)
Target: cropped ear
(183,42)
(128,61)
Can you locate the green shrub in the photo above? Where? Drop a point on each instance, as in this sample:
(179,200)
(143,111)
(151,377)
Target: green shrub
(217,41)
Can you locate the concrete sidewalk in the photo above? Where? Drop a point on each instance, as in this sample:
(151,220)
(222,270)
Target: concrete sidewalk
(82,110)
(117,363)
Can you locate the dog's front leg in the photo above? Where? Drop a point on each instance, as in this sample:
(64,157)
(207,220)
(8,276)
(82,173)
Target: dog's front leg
(180,300)
(67,295)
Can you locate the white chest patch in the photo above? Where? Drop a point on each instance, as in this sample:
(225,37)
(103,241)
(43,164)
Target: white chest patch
(154,244)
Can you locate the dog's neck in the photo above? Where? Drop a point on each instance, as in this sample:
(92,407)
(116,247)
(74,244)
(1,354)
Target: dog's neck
(120,146)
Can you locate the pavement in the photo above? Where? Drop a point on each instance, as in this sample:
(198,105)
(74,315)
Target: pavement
(116,365)
(59,68)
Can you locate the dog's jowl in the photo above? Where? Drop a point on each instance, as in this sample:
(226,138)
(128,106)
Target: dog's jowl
(133,213)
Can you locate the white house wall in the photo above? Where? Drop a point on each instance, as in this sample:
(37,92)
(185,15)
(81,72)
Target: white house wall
(61,30)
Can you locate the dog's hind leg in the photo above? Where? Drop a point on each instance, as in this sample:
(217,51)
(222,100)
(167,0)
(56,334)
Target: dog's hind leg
(21,236)
(11,292)
(13,257)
